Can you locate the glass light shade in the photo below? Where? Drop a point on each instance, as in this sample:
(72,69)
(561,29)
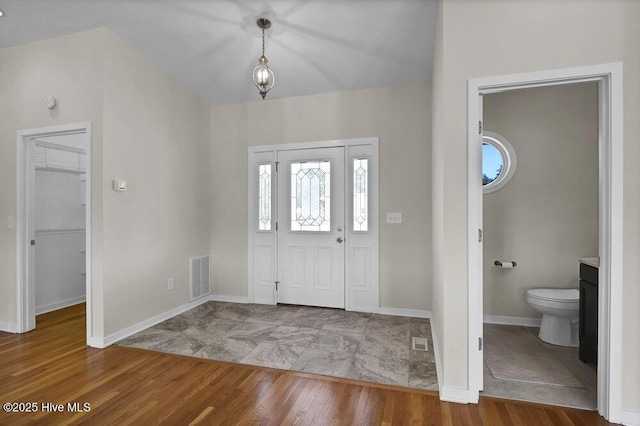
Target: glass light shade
(263,77)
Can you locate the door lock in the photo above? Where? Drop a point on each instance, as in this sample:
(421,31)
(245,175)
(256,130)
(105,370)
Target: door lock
(339,239)
(339,228)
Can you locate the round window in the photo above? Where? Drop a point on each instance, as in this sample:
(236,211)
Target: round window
(498,161)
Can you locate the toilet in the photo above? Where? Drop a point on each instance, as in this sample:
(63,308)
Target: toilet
(560,309)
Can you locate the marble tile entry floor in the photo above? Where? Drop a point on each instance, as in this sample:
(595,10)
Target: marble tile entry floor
(562,361)
(368,347)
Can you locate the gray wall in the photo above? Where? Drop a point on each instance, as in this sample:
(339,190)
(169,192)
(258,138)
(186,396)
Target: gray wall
(397,115)
(546,217)
(496,37)
(69,68)
(146,129)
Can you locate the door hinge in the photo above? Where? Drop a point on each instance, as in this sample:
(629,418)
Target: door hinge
(33,242)
(479,235)
(277,282)
(480,127)
(276,226)
(479,343)
(277,165)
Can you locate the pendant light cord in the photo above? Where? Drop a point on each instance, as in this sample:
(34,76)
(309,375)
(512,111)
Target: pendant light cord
(263,42)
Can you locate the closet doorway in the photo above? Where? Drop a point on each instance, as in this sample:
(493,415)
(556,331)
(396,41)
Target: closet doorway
(53,221)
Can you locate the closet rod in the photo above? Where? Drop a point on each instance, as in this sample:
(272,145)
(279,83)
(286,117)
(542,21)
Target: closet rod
(57,146)
(62,169)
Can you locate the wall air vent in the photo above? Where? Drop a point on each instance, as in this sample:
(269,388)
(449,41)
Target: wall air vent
(198,276)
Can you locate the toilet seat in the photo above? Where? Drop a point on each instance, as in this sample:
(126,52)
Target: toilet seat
(552,294)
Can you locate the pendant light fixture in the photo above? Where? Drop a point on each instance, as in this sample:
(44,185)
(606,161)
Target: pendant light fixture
(262,75)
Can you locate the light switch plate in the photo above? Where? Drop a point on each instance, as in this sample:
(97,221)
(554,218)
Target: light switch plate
(394,218)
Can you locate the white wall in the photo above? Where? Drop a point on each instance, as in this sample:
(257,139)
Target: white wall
(399,116)
(495,37)
(546,217)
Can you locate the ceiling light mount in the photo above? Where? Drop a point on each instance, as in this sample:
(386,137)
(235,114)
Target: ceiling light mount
(264,23)
(263,77)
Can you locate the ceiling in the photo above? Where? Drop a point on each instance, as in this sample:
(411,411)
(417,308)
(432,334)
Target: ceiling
(211,46)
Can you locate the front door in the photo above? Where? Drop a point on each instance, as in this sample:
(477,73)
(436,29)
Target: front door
(311,227)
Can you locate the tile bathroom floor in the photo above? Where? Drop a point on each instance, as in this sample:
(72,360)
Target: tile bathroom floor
(368,347)
(560,362)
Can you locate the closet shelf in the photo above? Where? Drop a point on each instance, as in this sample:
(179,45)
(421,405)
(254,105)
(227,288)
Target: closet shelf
(56,146)
(54,231)
(62,169)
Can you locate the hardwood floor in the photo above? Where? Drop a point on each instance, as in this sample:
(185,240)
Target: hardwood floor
(132,386)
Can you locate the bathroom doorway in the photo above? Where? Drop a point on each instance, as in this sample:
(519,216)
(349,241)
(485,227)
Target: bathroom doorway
(610,219)
(53,221)
(540,146)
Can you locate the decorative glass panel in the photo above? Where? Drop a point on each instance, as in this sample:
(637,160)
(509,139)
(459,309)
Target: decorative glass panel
(360,194)
(264,197)
(311,196)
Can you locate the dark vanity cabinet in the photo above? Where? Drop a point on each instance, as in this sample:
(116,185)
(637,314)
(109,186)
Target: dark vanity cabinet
(588,313)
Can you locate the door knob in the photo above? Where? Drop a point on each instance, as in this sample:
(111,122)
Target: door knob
(339,239)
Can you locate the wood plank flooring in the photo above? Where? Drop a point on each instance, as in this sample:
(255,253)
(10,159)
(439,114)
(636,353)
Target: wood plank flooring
(132,386)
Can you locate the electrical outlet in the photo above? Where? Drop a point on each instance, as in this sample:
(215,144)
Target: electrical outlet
(394,218)
(170,284)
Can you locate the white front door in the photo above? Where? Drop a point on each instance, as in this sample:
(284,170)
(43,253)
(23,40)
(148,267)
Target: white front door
(311,227)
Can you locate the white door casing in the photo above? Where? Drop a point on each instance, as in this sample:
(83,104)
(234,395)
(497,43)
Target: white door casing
(25,231)
(610,123)
(360,280)
(311,227)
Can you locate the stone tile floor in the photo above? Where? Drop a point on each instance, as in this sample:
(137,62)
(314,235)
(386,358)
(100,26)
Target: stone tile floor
(502,336)
(368,347)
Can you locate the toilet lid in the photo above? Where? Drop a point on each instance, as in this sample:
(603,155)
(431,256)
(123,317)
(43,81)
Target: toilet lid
(555,294)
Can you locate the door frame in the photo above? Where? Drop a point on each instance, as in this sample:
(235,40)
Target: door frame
(610,147)
(256,151)
(24,189)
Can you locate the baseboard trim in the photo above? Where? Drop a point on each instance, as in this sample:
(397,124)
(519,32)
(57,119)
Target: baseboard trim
(448,393)
(96,342)
(109,340)
(8,327)
(630,417)
(60,305)
(523,321)
(459,396)
(226,298)
(402,312)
